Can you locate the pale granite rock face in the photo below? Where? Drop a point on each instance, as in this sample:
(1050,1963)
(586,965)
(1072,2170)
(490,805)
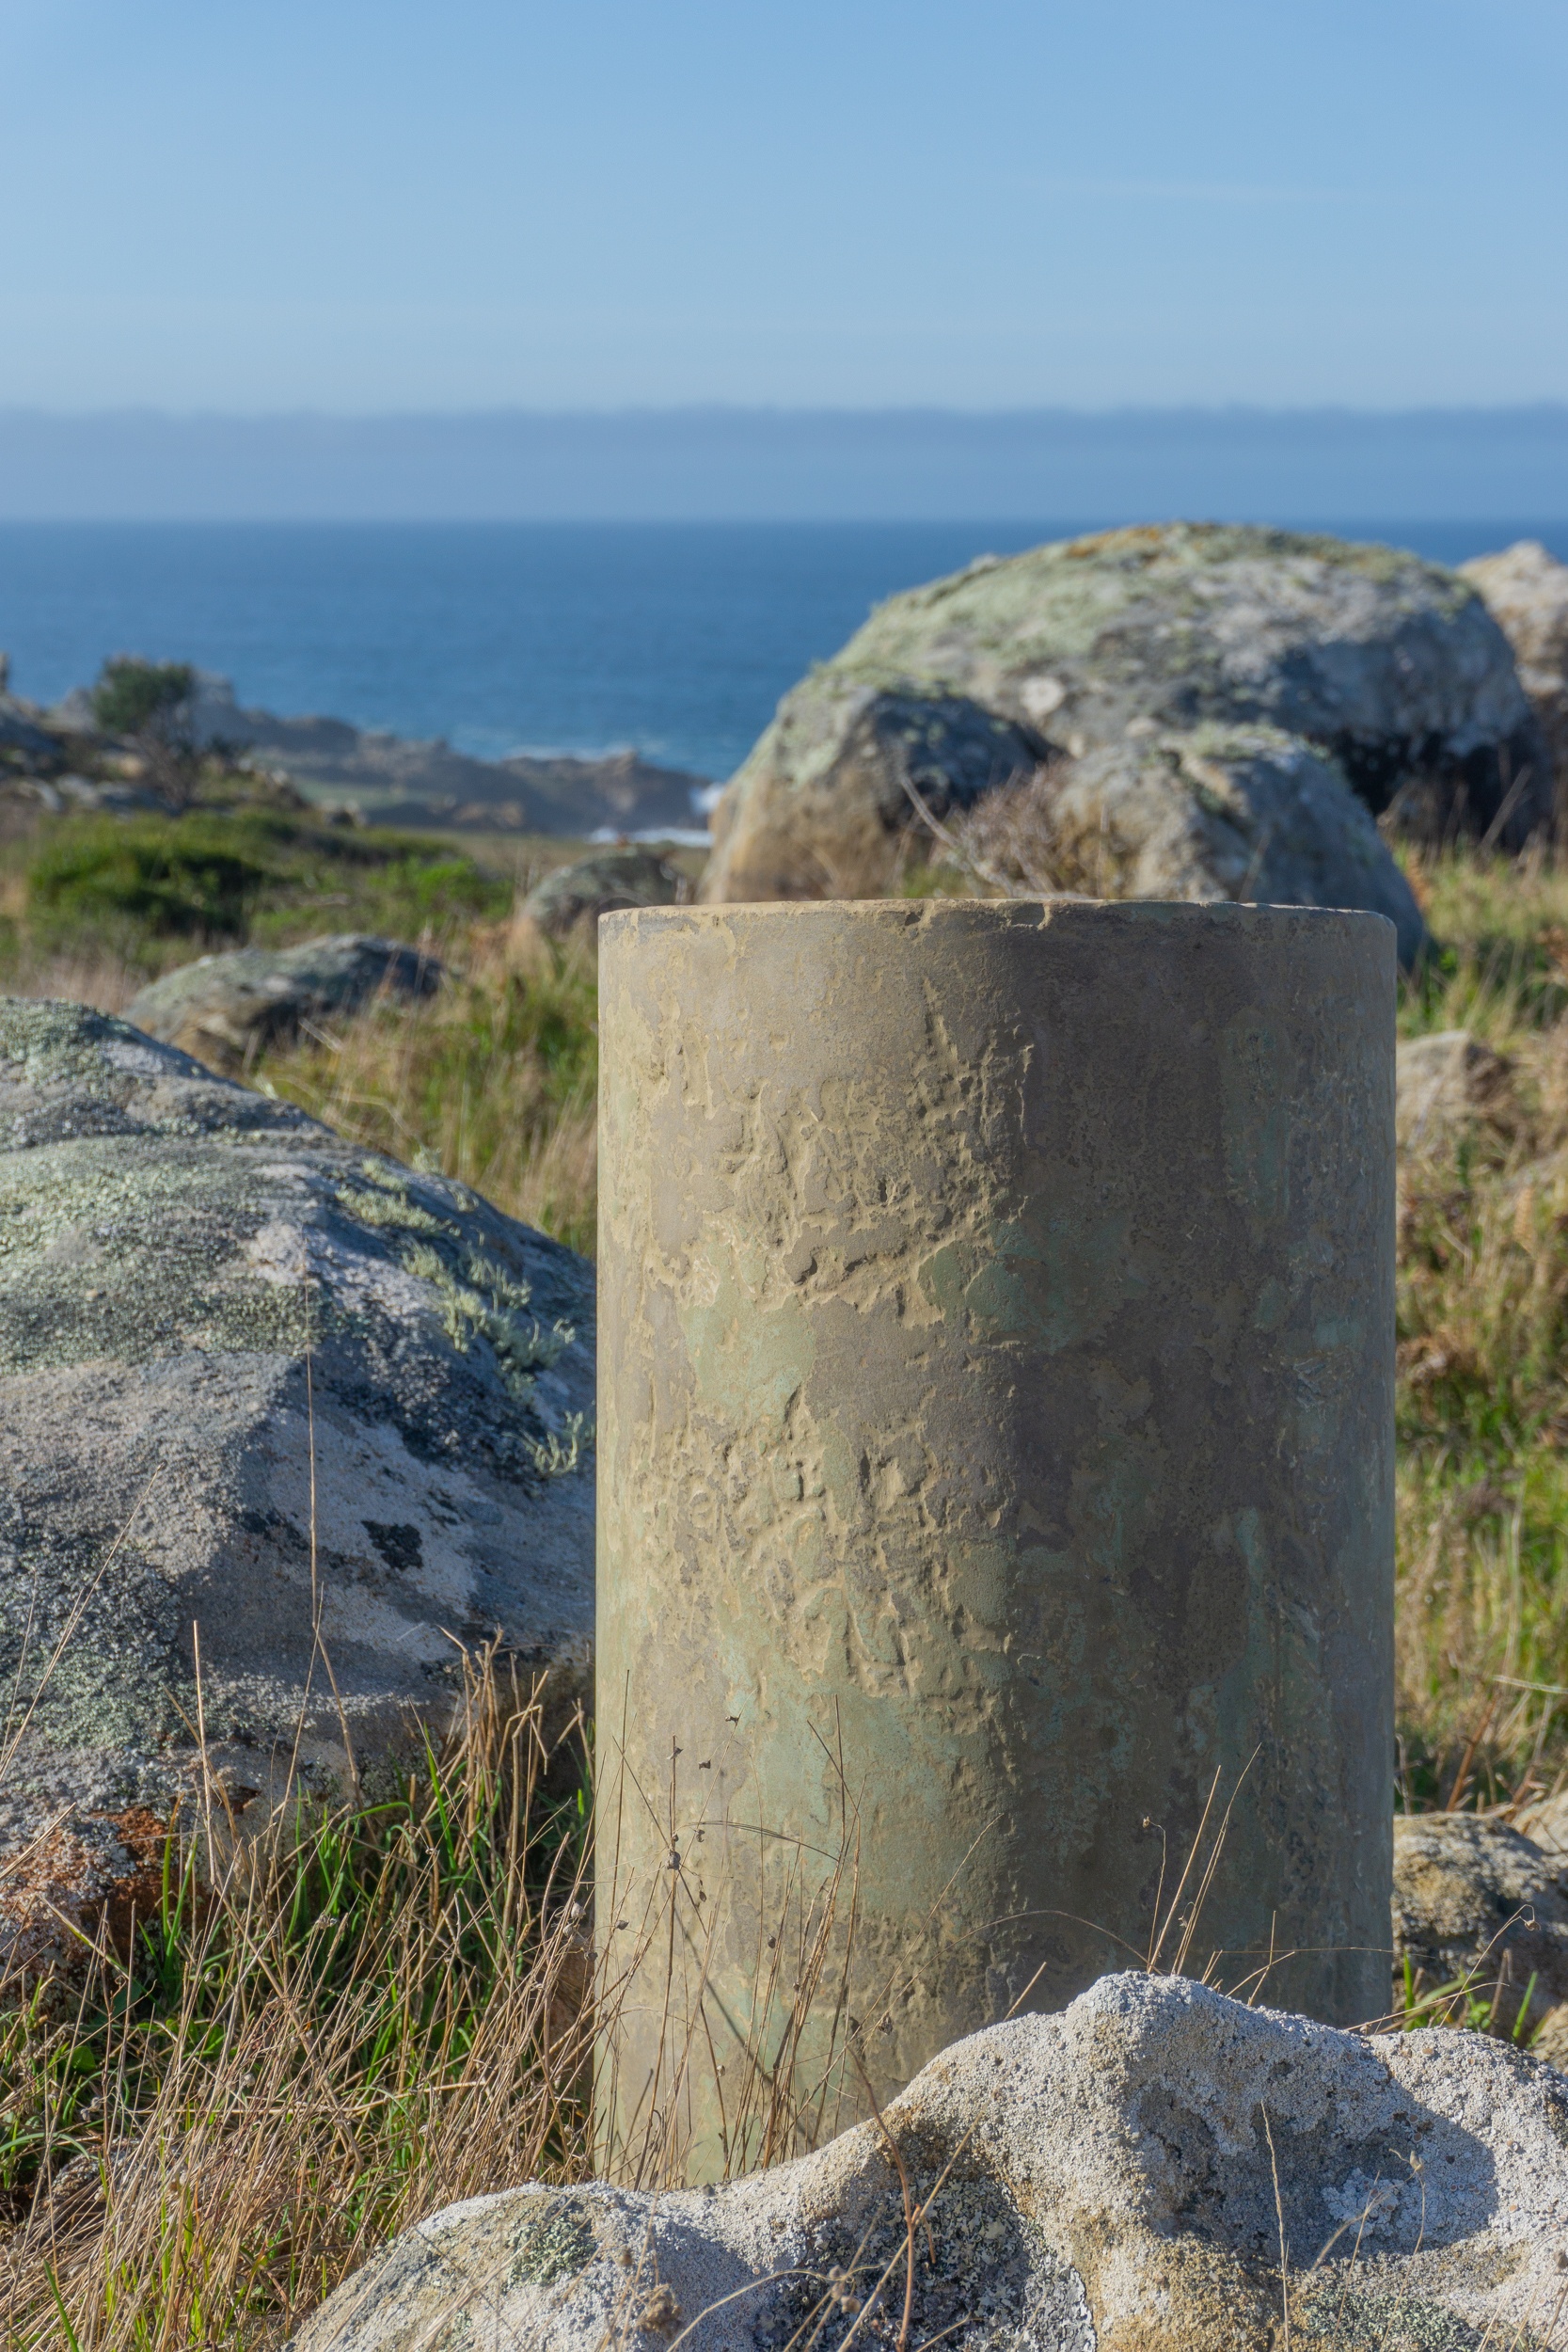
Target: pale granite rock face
(173,1247)
(1526,594)
(1200,814)
(1156,2167)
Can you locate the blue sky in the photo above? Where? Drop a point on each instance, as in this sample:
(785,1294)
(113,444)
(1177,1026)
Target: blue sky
(337,205)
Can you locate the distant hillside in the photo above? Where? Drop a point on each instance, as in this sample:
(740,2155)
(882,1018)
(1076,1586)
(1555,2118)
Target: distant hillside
(1332,466)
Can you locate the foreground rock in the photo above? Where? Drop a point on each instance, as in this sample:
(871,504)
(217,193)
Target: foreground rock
(1446,1086)
(1215,812)
(1476,1903)
(1526,592)
(226,1008)
(573,898)
(173,1247)
(1389,667)
(1156,2167)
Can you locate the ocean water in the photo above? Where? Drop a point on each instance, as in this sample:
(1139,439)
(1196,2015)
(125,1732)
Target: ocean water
(676,639)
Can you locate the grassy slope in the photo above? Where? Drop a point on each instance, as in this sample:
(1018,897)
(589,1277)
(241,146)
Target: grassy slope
(368,2020)
(1483,1355)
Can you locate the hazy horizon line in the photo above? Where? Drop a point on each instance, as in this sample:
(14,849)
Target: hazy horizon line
(726,462)
(1079,412)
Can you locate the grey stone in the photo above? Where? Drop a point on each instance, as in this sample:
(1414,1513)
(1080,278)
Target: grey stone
(202,1294)
(1474,1900)
(1157,2166)
(574,896)
(227,1007)
(1526,592)
(1218,811)
(1546,1826)
(1391,666)
(1446,1084)
(21,735)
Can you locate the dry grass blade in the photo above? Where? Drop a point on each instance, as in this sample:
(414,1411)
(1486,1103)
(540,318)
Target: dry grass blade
(329,2031)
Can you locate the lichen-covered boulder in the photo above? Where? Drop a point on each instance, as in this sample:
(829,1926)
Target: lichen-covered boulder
(268,1405)
(573,898)
(1476,1903)
(1206,813)
(1447,1084)
(1525,591)
(1390,666)
(224,1009)
(1156,2167)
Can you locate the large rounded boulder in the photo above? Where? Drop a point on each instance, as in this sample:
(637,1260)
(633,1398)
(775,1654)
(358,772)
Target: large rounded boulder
(1390,669)
(282,1425)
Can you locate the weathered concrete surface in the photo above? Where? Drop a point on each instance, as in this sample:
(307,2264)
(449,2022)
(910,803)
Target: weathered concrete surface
(171,1246)
(224,1009)
(1199,814)
(1475,1900)
(1157,2171)
(995,1390)
(1390,666)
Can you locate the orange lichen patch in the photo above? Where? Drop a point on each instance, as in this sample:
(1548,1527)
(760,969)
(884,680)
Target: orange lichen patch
(79,1881)
(136,1896)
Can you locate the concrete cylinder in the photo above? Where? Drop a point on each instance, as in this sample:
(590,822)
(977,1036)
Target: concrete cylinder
(994,1473)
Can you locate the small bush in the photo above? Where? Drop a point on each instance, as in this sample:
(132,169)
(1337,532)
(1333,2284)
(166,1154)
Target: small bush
(135,697)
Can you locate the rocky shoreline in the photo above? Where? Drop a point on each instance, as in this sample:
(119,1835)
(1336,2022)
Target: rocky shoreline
(382,778)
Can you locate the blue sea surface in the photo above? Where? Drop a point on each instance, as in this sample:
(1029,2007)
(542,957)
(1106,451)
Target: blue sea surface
(676,639)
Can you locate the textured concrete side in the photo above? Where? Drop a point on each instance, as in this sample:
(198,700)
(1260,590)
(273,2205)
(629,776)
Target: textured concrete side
(995,1450)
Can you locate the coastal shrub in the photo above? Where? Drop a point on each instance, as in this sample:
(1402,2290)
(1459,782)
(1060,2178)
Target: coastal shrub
(148,886)
(151,702)
(194,880)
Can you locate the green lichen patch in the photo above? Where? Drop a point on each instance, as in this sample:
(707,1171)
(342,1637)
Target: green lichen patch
(485,1302)
(1369,2311)
(129,1253)
(553,2244)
